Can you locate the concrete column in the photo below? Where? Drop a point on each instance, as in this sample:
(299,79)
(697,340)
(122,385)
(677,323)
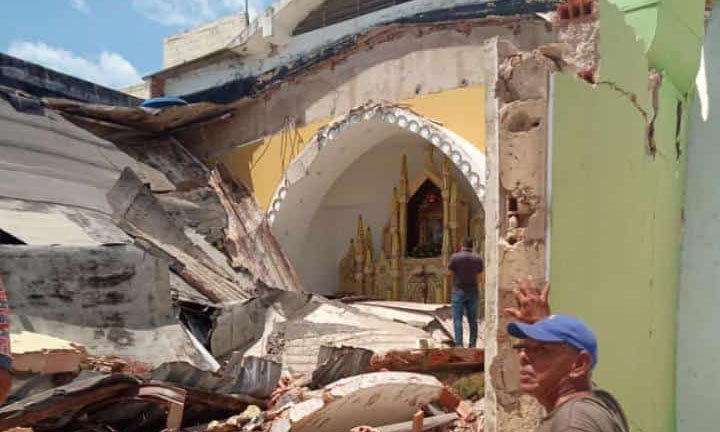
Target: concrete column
(516,155)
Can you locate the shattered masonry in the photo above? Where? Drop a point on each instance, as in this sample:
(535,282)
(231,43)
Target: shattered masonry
(160,310)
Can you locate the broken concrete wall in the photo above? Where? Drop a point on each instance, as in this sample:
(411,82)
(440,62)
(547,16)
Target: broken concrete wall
(113,300)
(202,213)
(700,269)
(516,195)
(138,212)
(270,45)
(429,58)
(35,353)
(671,32)
(617,183)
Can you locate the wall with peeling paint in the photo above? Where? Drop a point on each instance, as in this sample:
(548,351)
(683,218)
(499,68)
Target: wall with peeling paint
(698,369)
(616,219)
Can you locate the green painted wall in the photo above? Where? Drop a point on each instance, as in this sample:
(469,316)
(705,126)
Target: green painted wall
(616,221)
(672,32)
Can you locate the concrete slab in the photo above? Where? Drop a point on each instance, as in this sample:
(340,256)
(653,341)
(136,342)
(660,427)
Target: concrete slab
(374,399)
(112,300)
(35,228)
(43,354)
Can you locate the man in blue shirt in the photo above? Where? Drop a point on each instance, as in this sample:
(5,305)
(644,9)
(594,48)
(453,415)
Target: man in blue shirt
(466,268)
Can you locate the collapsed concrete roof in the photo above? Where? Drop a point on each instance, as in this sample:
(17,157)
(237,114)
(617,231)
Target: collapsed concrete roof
(158,227)
(47,159)
(101,240)
(170,266)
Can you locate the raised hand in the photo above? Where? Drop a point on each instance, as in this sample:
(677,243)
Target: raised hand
(532,302)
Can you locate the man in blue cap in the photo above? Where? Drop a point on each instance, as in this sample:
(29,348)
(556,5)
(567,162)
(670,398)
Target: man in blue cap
(557,356)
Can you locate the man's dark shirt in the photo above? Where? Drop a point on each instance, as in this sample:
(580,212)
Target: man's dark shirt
(465,266)
(597,413)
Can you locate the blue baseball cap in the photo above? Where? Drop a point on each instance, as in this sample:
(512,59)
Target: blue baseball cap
(558,328)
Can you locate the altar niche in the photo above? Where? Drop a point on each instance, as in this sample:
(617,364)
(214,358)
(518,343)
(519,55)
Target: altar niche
(425,222)
(429,217)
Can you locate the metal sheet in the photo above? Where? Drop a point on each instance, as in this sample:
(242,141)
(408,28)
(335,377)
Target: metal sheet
(251,376)
(61,403)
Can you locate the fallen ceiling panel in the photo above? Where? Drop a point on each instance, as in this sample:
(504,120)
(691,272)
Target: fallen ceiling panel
(46,158)
(149,120)
(293,328)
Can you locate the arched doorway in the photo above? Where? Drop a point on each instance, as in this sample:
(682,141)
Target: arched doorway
(362,165)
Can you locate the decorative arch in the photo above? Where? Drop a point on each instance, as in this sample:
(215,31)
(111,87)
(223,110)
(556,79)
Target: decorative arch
(468,159)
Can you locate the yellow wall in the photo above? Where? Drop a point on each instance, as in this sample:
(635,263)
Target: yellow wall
(261,165)
(460,110)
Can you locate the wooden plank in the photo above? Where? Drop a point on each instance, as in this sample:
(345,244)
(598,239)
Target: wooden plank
(249,240)
(428,424)
(417,421)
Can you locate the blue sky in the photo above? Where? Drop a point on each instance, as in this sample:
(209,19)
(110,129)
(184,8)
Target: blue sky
(110,42)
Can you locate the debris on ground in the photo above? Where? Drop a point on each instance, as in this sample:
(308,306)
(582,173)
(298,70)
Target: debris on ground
(162,302)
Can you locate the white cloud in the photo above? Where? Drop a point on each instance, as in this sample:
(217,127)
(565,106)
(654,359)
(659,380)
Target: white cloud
(193,12)
(81,5)
(109,69)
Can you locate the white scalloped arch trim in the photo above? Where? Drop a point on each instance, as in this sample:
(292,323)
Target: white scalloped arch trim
(468,159)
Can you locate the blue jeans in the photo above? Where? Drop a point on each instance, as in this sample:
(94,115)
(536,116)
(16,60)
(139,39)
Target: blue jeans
(466,302)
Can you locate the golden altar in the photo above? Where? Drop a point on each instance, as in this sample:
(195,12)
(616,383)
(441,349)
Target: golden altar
(429,217)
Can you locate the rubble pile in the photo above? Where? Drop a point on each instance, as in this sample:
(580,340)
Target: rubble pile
(168,305)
